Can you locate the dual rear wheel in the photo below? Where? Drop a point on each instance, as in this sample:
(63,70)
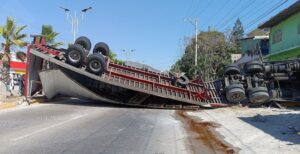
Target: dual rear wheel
(77,55)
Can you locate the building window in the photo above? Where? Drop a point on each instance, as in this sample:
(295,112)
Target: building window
(277,36)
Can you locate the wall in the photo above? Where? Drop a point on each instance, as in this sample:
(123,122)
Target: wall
(290,37)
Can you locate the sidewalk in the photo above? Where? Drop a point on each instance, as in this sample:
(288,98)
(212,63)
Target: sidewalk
(11,101)
(256,130)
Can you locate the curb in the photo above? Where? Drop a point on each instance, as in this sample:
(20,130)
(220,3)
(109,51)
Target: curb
(9,105)
(16,103)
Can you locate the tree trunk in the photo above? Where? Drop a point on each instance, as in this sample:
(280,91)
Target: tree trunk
(6,64)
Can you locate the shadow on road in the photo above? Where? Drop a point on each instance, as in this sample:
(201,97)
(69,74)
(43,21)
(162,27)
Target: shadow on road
(284,127)
(83,102)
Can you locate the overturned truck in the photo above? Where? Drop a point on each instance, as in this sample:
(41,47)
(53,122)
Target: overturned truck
(263,82)
(77,72)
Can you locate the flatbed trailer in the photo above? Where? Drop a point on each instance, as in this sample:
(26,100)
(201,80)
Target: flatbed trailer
(120,84)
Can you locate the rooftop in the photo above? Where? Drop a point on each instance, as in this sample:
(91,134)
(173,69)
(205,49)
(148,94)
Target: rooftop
(286,13)
(256,38)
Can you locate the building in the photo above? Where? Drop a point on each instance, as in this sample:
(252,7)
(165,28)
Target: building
(235,57)
(252,48)
(16,65)
(284,33)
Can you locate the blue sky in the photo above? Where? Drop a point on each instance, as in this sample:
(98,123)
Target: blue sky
(154,28)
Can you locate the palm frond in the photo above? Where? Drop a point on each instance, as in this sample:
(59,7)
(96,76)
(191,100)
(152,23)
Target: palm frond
(50,35)
(19,29)
(20,37)
(10,26)
(19,43)
(56,44)
(1,30)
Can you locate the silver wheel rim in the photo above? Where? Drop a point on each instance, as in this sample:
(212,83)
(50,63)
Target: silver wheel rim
(74,56)
(95,65)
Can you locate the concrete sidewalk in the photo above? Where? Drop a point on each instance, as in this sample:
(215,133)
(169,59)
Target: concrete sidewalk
(11,102)
(256,130)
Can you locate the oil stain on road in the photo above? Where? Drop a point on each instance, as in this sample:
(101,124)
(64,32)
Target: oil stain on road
(203,136)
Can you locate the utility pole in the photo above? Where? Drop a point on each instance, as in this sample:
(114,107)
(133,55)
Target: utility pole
(194,22)
(74,20)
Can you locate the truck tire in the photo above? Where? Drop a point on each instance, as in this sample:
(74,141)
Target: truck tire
(182,81)
(84,42)
(96,64)
(102,48)
(253,67)
(235,93)
(231,69)
(74,55)
(258,95)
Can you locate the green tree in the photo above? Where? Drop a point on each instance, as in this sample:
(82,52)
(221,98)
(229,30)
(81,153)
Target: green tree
(13,37)
(113,57)
(213,52)
(50,35)
(237,34)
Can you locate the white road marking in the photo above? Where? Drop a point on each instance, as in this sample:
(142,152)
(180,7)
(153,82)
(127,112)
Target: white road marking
(46,128)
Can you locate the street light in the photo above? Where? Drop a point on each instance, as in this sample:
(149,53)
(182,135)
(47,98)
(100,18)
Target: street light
(74,20)
(127,53)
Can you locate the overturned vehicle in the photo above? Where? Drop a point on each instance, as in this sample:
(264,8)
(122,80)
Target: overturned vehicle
(263,82)
(82,72)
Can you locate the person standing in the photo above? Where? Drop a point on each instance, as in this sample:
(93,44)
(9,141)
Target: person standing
(8,89)
(21,85)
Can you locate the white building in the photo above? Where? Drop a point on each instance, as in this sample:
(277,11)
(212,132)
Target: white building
(235,57)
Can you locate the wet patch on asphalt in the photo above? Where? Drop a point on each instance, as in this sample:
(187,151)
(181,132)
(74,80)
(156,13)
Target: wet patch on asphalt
(203,136)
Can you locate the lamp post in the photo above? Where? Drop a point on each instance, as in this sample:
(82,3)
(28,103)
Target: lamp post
(127,53)
(74,19)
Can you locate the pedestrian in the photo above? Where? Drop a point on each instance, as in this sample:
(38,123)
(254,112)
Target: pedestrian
(8,90)
(11,82)
(21,85)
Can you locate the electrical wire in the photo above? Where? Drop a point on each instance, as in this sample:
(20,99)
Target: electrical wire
(236,16)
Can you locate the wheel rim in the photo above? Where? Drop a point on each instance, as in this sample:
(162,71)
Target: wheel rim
(235,93)
(259,95)
(74,56)
(95,65)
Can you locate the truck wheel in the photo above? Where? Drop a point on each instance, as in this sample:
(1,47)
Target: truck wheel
(183,81)
(235,93)
(253,67)
(75,55)
(258,95)
(102,48)
(96,64)
(84,42)
(231,69)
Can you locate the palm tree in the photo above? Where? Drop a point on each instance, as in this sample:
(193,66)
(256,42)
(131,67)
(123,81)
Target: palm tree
(13,37)
(50,35)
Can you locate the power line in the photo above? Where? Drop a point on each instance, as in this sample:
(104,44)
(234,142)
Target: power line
(189,8)
(249,13)
(230,11)
(196,9)
(235,16)
(207,7)
(218,11)
(268,12)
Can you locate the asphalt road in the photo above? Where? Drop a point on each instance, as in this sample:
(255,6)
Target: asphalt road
(87,127)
